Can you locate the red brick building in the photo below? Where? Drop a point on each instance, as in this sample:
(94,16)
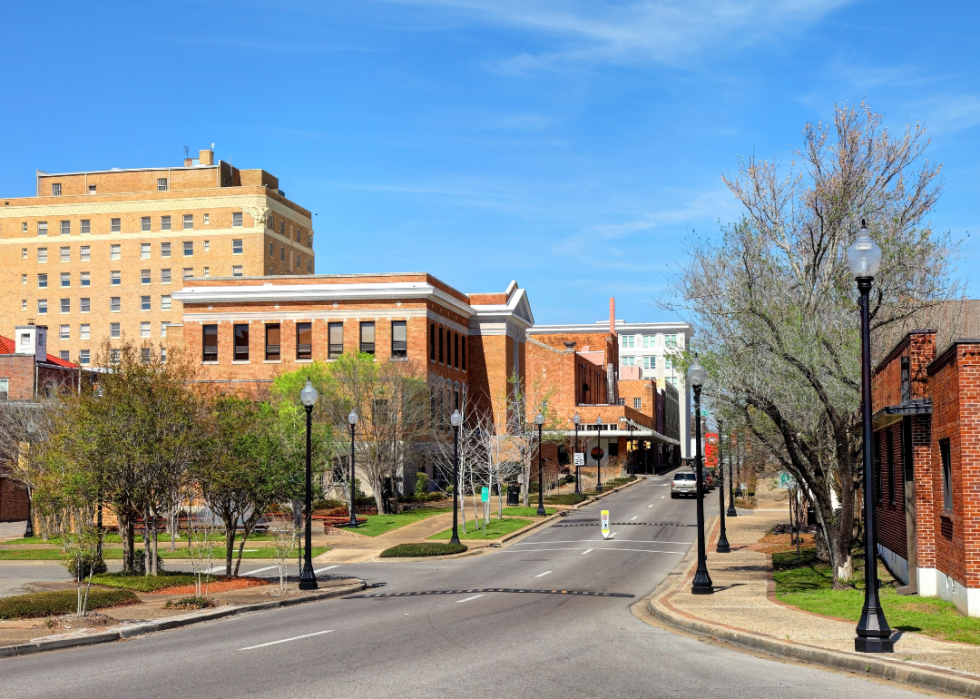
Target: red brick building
(927,466)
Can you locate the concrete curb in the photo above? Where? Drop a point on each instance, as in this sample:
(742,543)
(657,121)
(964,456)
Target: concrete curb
(172,623)
(935,679)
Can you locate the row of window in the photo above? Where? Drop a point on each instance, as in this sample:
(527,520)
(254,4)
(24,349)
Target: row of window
(115,251)
(271,224)
(85,304)
(115,224)
(85,357)
(647,341)
(282,257)
(304,341)
(647,362)
(115,330)
(115,277)
(163,185)
(448,346)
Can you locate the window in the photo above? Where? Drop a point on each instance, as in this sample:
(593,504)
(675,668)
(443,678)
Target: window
(163,355)
(145,304)
(207,220)
(23,227)
(144,329)
(114,331)
(115,278)
(145,355)
(115,225)
(42,281)
(23,279)
(367,337)
(399,338)
(114,355)
(304,341)
(462,352)
(65,254)
(64,332)
(114,304)
(236,219)
(456,350)
(207,245)
(86,226)
(115,252)
(56,190)
(442,354)
(164,276)
(85,279)
(165,225)
(282,227)
(188,248)
(23,253)
(210,343)
(309,266)
(42,306)
(66,305)
(650,363)
(144,251)
(4,389)
(42,227)
(207,271)
(163,327)
(63,354)
(271,222)
(649,341)
(91,189)
(188,221)
(85,253)
(627,341)
(670,340)
(165,303)
(272,340)
(432,342)
(272,250)
(85,305)
(628,361)
(42,255)
(282,254)
(65,280)
(241,343)
(188,272)
(66,228)
(299,261)
(668,363)
(162,184)
(236,246)
(84,331)
(236,271)
(335,340)
(637,403)
(271,271)
(144,276)
(84,357)
(947,475)
(621,401)
(23,304)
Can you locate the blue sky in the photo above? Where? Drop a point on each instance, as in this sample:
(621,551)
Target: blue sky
(569,145)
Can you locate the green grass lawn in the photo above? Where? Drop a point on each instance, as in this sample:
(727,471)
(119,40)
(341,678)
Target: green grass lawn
(379,524)
(162,537)
(496,528)
(807,584)
(523,511)
(424,549)
(54,554)
(146,583)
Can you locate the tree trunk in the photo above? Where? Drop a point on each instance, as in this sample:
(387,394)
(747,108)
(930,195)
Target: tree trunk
(230,525)
(153,533)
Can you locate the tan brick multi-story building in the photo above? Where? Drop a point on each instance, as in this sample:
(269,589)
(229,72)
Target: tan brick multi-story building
(97,255)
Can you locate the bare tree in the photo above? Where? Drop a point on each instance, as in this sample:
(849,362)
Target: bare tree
(775,305)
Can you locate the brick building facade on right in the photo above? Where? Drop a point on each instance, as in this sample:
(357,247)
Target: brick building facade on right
(927,467)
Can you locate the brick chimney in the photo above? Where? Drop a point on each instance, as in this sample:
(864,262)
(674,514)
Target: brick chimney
(206,157)
(612,315)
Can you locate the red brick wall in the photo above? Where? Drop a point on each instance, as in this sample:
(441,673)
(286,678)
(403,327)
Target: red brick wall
(886,382)
(13,501)
(19,370)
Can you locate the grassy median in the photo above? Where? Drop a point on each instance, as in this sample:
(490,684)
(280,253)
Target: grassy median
(496,528)
(41,604)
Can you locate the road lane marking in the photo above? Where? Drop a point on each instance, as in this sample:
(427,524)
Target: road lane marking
(467,599)
(286,640)
(662,497)
(214,570)
(586,551)
(605,548)
(649,506)
(634,518)
(595,541)
(611,536)
(260,570)
(323,569)
(541,575)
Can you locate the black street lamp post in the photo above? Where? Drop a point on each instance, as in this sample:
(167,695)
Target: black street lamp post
(873,632)
(307,578)
(539,421)
(722,546)
(456,420)
(575,420)
(731,477)
(598,446)
(352,419)
(702,581)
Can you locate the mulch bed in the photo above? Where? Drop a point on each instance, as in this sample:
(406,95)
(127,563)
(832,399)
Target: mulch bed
(226,585)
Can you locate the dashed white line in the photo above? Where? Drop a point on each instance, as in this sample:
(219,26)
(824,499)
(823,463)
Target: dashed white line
(214,570)
(649,506)
(593,541)
(662,497)
(634,518)
(468,599)
(286,640)
(541,575)
(260,570)
(323,569)
(586,551)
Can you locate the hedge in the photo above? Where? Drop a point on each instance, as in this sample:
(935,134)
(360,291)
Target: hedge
(40,604)
(426,549)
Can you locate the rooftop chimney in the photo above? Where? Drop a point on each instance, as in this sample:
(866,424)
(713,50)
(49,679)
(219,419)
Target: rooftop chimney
(206,157)
(612,315)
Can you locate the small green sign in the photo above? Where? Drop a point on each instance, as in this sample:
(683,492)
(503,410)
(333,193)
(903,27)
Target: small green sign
(485,494)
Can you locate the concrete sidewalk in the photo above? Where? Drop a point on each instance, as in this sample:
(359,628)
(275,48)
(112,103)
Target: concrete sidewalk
(744,611)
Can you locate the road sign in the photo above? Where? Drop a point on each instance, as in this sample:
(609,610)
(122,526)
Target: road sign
(605,523)
(580,458)
(484,494)
(520,479)
(597,453)
(784,481)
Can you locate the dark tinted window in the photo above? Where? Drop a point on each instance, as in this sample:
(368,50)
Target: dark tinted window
(210,343)
(241,342)
(367,337)
(272,340)
(304,341)
(335,340)
(399,338)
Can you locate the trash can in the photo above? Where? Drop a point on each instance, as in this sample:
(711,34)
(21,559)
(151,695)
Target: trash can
(513,494)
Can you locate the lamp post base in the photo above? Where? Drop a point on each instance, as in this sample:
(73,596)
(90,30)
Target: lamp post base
(731,511)
(871,644)
(598,489)
(307,580)
(723,546)
(702,584)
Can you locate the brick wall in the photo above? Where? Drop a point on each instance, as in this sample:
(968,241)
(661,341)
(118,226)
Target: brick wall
(13,501)
(19,371)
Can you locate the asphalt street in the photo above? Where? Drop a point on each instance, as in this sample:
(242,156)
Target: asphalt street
(443,628)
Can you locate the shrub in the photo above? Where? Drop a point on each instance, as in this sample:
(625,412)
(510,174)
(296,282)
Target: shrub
(39,604)
(143,583)
(425,549)
(191,603)
(421,484)
(90,566)
(565,499)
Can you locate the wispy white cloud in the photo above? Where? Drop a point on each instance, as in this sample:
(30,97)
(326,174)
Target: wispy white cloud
(662,31)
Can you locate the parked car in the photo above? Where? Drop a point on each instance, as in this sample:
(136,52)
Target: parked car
(684,483)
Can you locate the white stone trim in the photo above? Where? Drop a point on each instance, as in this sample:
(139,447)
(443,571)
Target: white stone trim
(897,564)
(966,599)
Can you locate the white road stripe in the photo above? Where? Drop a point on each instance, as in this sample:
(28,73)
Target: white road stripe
(323,569)
(649,506)
(662,497)
(260,570)
(609,548)
(586,551)
(541,575)
(594,541)
(286,640)
(634,518)
(468,599)
(214,570)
